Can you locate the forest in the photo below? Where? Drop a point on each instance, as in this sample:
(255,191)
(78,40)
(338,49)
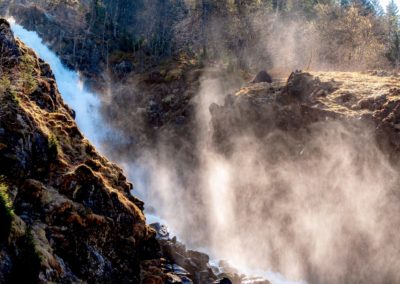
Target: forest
(249,34)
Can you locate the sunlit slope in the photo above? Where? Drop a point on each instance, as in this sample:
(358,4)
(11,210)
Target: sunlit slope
(358,93)
(348,94)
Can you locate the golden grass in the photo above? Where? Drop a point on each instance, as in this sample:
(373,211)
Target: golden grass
(358,85)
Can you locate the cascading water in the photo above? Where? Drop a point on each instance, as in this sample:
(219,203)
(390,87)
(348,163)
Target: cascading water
(87,107)
(85,103)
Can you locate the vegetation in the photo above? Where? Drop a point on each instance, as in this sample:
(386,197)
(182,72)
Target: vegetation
(27,78)
(356,33)
(393,34)
(6,213)
(5,84)
(53,147)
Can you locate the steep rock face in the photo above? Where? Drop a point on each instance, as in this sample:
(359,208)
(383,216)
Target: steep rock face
(70,212)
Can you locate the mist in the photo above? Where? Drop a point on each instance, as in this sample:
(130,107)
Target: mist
(317,204)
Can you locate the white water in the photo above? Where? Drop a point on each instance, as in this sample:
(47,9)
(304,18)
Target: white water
(87,104)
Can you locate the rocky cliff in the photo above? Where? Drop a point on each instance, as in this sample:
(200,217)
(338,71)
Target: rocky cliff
(70,213)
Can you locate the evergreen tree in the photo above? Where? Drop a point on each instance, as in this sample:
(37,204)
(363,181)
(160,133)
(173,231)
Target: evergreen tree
(365,5)
(393,33)
(378,10)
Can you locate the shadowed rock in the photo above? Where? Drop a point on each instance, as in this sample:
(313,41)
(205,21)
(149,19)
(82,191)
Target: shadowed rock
(9,51)
(261,77)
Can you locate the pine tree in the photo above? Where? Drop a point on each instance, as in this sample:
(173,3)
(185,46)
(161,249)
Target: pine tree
(378,10)
(393,33)
(365,5)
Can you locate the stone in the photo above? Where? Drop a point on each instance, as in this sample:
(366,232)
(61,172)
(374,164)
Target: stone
(262,76)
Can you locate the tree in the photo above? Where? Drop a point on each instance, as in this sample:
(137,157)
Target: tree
(393,34)
(378,10)
(349,38)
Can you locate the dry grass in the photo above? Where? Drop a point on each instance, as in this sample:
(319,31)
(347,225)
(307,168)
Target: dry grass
(356,86)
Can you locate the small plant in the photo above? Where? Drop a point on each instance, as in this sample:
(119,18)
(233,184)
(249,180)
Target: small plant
(54,146)
(29,82)
(14,96)
(6,213)
(4,83)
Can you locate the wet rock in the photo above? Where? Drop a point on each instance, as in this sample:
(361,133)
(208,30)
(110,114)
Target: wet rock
(190,266)
(161,230)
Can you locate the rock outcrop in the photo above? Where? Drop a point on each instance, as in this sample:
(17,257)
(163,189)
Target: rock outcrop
(307,98)
(261,77)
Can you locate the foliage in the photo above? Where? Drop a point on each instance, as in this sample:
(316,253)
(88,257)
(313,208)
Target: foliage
(349,37)
(27,69)
(344,34)
(53,146)
(6,212)
(5,83)
(393,34)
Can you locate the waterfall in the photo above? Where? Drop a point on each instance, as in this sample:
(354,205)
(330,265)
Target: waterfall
(87,107)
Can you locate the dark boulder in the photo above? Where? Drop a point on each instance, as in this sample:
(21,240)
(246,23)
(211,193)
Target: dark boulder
(302,87)
(262,76)
(223,281)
